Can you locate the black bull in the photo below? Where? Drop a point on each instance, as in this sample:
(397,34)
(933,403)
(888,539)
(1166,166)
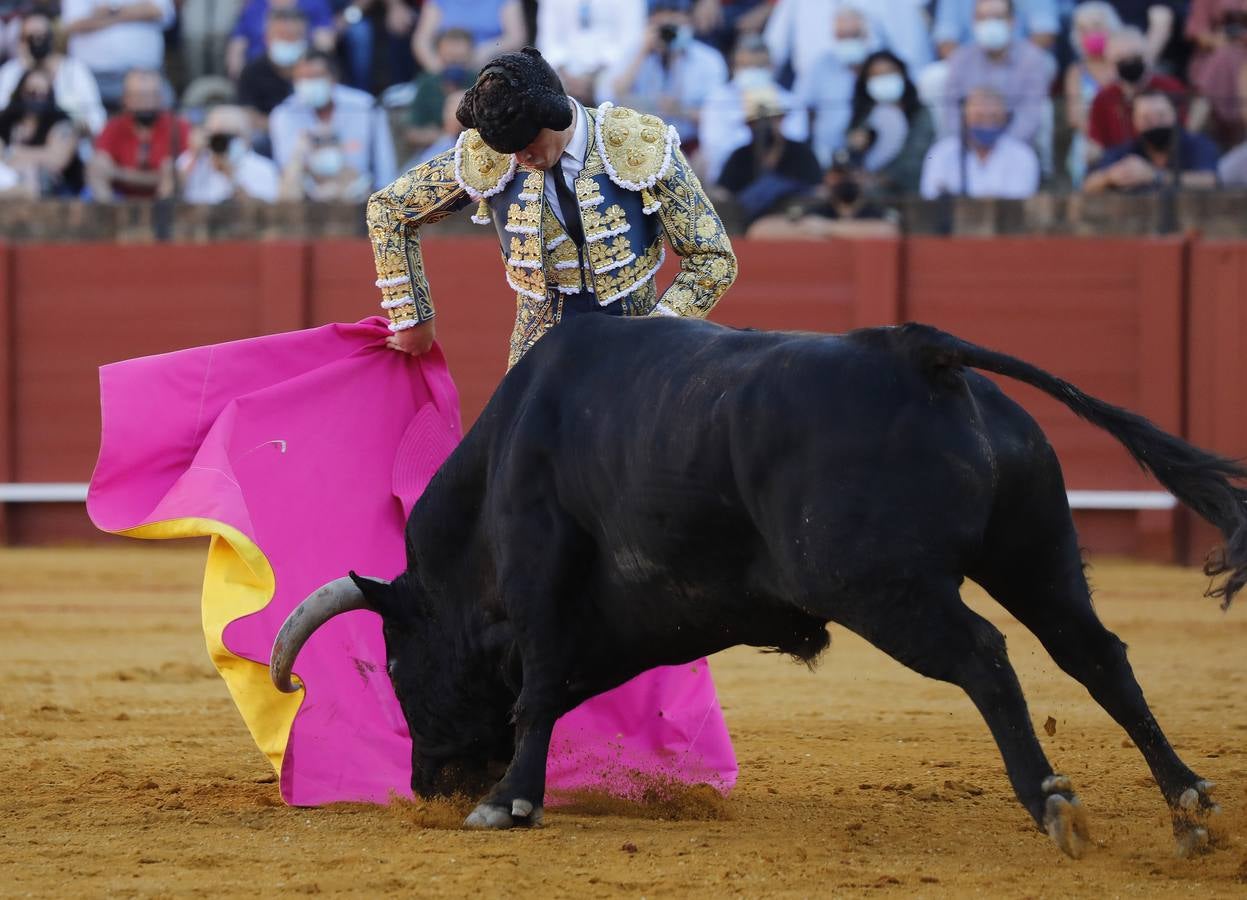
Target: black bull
(646,492)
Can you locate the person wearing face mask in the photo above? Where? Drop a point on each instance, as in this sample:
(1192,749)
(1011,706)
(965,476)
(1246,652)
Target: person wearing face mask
(1014,69)
(994,163)
(584,39)
(73,85)
(249,42)
(1162,151)
(222,166)
(114,37)
(134,154)
(1223,78)
(721,126)
(825,88)
(37,140)
(320,104)
(1034,20)
(1093,25)
(891,130)
(770,170)
(842,208)
(455,51)
(800,32)
(319,171)
(269,79)
(1110,122)
(672,73)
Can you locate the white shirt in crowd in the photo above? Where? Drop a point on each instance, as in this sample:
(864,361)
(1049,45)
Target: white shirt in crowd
(73,86)
(254,176)
(120,47)
(1010,171)
(358,122)
(584,36)
(721,128)
(800,31)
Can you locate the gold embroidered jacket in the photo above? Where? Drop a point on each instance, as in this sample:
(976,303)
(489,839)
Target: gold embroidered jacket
(635,189)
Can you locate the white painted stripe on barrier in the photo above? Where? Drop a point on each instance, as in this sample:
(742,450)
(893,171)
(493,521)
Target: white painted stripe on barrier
(1121,500)
(77,492)
(43,493)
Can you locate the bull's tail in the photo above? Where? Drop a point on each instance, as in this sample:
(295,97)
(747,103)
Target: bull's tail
(1199,479)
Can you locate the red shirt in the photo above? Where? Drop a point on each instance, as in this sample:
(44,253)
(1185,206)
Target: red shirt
(120,140)
(1110,124)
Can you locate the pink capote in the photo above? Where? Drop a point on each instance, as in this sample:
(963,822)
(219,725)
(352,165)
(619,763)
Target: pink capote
(314,445)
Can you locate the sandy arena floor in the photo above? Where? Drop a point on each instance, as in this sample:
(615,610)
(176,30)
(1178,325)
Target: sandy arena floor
(129,772)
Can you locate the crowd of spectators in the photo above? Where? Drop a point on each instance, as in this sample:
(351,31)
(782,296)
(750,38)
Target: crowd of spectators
(813,114)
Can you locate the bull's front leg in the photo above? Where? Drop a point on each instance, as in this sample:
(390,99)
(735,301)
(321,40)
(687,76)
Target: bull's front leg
(519,797)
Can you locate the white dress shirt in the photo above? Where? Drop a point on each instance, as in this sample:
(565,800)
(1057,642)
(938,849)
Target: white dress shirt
(1010,171)
(120,47)
(573,160)
(585,36)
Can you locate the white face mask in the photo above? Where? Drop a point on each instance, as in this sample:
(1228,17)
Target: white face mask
(753,78)
(850,51)
(887,88)
(237,150)
(314,92)
(992,34)
(325,162)
(286,53)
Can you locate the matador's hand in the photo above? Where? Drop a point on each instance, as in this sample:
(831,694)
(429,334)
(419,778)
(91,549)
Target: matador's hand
(416,341)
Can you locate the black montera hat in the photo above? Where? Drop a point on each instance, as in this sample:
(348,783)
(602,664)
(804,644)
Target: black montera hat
(515,96)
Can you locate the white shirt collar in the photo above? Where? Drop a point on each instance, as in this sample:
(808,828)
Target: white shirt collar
(578,146)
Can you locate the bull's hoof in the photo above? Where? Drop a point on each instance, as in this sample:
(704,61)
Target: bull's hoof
(1192,818)
(1064,818)
(495,816)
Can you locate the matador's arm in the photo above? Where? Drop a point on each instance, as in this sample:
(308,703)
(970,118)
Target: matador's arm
(426,194)
(707,264)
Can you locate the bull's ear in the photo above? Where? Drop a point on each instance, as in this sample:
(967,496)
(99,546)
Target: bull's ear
(378,593)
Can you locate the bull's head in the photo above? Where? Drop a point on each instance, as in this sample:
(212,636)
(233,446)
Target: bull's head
(449,672)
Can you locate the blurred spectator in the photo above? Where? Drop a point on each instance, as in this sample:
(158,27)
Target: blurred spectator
(956,23)
(248,42)
(1155,18)
(134,153)
(73,84)
(269,79)
(890,131)
(111,37)
(720,23)
(673,72)
(1222,77)
(222,165)
(39,140)
(842,210)
(454,73)
(1206,30)
(451,129)
(1093,26)
(204,29)
(1110,122)
(340,116)
(825,87)
(1232,170)
(495,25)
(800,32)
(582,39)
(320,169)
(1148,162)
(770,170)
(371,24)
(721,126)
(1014,69)
(996,164)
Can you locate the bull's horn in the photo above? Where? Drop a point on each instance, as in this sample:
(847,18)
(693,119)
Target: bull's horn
(338,596)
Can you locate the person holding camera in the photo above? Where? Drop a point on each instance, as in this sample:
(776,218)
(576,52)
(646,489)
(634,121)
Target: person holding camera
(222,166)
(673,73)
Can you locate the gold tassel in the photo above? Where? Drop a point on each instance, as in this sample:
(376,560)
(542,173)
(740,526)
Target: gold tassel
(482,213)
(649,203)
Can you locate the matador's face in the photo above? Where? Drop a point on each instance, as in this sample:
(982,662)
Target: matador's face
(544,151)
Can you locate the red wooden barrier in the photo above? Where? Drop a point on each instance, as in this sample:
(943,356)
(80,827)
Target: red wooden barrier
(1109,315)
(1216,397)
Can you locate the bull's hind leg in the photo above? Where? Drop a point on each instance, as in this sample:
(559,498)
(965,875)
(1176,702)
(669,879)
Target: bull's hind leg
(931,631)
(1040,581)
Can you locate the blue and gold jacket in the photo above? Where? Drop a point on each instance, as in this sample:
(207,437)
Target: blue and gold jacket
(635,189)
